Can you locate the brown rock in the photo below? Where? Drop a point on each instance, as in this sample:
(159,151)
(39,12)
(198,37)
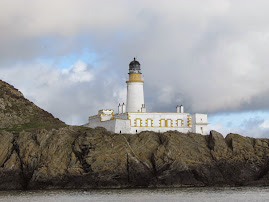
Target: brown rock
(6,146)
(77,157)
(18,113)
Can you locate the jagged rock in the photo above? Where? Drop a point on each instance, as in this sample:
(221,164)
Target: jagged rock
(11,174)
(218,146)
(10,170)
(6,146)
(56,158)
(77,157)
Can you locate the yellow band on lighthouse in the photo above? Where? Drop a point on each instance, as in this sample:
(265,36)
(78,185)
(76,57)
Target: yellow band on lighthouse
(134,77)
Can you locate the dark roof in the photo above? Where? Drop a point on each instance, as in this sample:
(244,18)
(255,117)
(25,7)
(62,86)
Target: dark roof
(134,62)
(134,66)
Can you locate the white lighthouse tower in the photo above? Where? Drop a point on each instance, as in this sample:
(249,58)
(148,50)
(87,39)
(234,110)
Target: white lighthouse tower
(135,89)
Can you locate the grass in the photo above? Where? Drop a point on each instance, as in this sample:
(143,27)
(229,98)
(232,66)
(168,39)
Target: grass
(31,126)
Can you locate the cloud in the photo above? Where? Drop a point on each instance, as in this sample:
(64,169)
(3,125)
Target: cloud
(265,124)
(246,124)
(210,56)
(78,72)
(71,94)
(256,132)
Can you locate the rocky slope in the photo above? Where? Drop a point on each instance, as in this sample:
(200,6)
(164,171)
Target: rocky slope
(18,113)
(78,157)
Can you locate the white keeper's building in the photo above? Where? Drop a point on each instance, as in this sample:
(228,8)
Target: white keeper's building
(133,118)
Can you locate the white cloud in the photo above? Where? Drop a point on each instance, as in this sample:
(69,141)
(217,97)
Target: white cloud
(265,125)
(78,72)
(248,125)
(217,127)
(71,94)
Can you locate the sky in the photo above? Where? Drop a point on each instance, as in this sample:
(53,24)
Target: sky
(71,57)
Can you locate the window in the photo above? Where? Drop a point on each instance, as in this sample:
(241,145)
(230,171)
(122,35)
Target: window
(138,122)
(162,122)
(179,122)
(169,123)
(149,122)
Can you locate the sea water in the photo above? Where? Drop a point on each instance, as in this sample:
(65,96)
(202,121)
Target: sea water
(172,194)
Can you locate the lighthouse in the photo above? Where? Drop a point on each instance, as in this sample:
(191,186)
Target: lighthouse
(132,118)
(135,89)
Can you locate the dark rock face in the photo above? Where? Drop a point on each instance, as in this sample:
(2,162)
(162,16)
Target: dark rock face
(77,157)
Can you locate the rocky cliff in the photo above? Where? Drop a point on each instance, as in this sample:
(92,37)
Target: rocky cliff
(78,157)
(17,113)
(75,157)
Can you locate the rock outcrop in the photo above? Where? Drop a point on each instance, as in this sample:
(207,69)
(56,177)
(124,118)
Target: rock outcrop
(17,113)
(38,151)
(77,157)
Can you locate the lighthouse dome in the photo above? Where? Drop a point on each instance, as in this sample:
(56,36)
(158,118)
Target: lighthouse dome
(134,67)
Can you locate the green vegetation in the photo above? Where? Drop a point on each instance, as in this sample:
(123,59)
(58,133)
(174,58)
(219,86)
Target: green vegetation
(31,126)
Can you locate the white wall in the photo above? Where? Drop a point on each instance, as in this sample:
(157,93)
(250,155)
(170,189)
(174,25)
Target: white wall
(199,123)
(122,126)
(135,96)
(151,122)
(116,125)
(95,122)
(173,120)
(159,129)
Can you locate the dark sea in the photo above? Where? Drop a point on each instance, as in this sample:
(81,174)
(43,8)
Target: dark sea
(172,194)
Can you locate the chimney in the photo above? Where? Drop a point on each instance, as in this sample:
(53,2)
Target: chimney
(181,109)
(178,108)
(120,109)
(123,108)
(143,108)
